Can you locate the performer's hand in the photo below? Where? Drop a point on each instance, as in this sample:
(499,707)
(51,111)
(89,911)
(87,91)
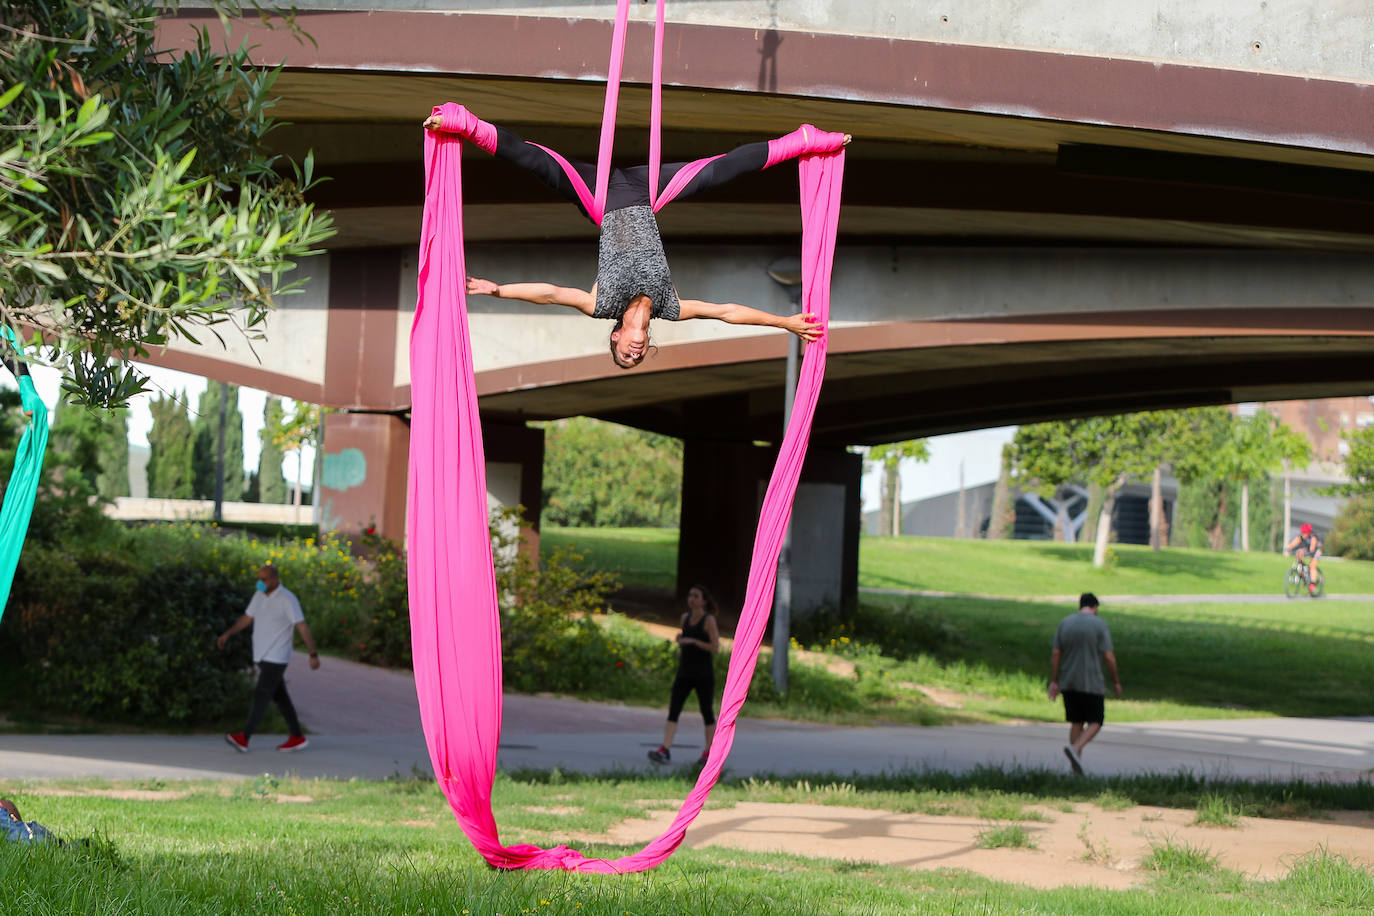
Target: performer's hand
(1054,689)
(433,122)
(847,138)
(479,287)
(224,638)
(806,326)
(314,662)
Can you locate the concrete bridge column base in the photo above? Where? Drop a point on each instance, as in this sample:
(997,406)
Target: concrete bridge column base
(723,484)
(365,475)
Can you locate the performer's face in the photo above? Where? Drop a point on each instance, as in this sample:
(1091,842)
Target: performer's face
(631,343)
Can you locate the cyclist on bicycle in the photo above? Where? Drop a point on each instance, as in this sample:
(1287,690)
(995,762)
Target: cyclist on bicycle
(1307,545)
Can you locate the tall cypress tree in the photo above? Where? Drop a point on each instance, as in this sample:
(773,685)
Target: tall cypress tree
(271,483)
(94,442)
(205,450)
(169,449)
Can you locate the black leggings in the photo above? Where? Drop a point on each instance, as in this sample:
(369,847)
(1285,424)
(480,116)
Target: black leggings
(705,686)
(271,687)
(627,187)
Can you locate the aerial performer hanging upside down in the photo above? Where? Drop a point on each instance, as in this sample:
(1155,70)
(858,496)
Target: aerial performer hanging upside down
(633,283)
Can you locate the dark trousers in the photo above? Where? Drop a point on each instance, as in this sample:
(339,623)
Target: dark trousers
(271,687)
(627,187)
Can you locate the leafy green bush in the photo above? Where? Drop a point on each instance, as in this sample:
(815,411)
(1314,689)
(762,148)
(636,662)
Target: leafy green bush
(117,632)
(1352,533)
(120,625)
(384,630)
(551,638)
(900,632)
(599,474)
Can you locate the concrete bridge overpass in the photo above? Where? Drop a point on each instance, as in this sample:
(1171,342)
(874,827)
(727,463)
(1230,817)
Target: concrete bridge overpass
(1051,209)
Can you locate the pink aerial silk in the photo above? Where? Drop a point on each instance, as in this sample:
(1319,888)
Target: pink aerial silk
(453,603)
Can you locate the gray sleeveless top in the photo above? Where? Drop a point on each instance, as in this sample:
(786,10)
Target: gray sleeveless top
(631,263)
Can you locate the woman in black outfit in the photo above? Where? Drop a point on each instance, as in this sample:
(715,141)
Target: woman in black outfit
(699,641)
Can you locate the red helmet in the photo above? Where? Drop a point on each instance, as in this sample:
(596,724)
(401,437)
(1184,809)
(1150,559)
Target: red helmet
(1306,529)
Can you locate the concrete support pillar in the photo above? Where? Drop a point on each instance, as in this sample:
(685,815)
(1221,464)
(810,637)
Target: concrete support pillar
(364,473)
(722,492)
(515,474)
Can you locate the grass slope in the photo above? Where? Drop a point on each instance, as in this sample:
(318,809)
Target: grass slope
(1034,568)
(647,558)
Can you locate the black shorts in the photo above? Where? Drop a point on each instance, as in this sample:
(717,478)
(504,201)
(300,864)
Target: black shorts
(1083,707)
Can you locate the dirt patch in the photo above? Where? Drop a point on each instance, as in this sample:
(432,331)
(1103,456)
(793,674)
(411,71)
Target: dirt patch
(551,809)
(1087,846)
(294,799)
(945,699)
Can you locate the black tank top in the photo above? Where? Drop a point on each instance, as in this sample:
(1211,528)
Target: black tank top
(694,659)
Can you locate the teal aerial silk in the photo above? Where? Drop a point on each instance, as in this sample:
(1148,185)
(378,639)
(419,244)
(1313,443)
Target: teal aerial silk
(22,489)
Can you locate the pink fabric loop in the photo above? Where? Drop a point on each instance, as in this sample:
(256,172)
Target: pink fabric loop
(613,68)
(803,141)
(683,178)
(594,208)
(455,622)
(455,119)
(656,112)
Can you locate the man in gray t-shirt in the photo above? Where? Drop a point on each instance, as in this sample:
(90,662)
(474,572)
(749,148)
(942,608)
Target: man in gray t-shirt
(1082,643)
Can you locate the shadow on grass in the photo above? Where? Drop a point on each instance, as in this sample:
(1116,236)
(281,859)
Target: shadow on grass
(1288,669)
(1165,563)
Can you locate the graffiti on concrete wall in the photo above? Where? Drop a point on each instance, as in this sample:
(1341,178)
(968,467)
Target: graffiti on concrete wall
(344,470)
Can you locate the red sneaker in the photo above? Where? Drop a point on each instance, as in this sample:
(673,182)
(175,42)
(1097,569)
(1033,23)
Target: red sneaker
(294,743)
(238,740)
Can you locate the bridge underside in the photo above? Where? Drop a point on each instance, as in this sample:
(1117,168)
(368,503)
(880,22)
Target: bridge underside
(898,381)
(961,153)
(956,146)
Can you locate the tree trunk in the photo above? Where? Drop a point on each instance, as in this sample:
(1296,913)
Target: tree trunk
(894,474)
(1157,510)
(1287,505)
(1104,525)
(1096,497)
(1217,533)
(884,507)
(300,457)
(1003,512)
(1245,515)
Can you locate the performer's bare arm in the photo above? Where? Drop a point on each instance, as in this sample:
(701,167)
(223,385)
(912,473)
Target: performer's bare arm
(538,293)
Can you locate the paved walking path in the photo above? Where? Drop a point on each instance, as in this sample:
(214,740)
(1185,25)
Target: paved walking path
(1108,600)
(364,722)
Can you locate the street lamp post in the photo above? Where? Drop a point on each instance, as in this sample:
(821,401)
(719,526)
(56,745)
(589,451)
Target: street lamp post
(787,273)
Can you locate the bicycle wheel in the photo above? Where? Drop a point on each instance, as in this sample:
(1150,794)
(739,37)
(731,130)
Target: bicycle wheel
(1321,585)
(1292,583)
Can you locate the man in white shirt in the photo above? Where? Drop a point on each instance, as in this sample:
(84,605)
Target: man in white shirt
(273,613)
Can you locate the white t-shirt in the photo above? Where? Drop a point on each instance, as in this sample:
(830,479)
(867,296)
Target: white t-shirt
(274,616)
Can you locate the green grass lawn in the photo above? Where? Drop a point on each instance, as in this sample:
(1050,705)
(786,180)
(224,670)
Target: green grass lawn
(1027,569)
(308,847)
(1179,661)
(647,558)
(642,557)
